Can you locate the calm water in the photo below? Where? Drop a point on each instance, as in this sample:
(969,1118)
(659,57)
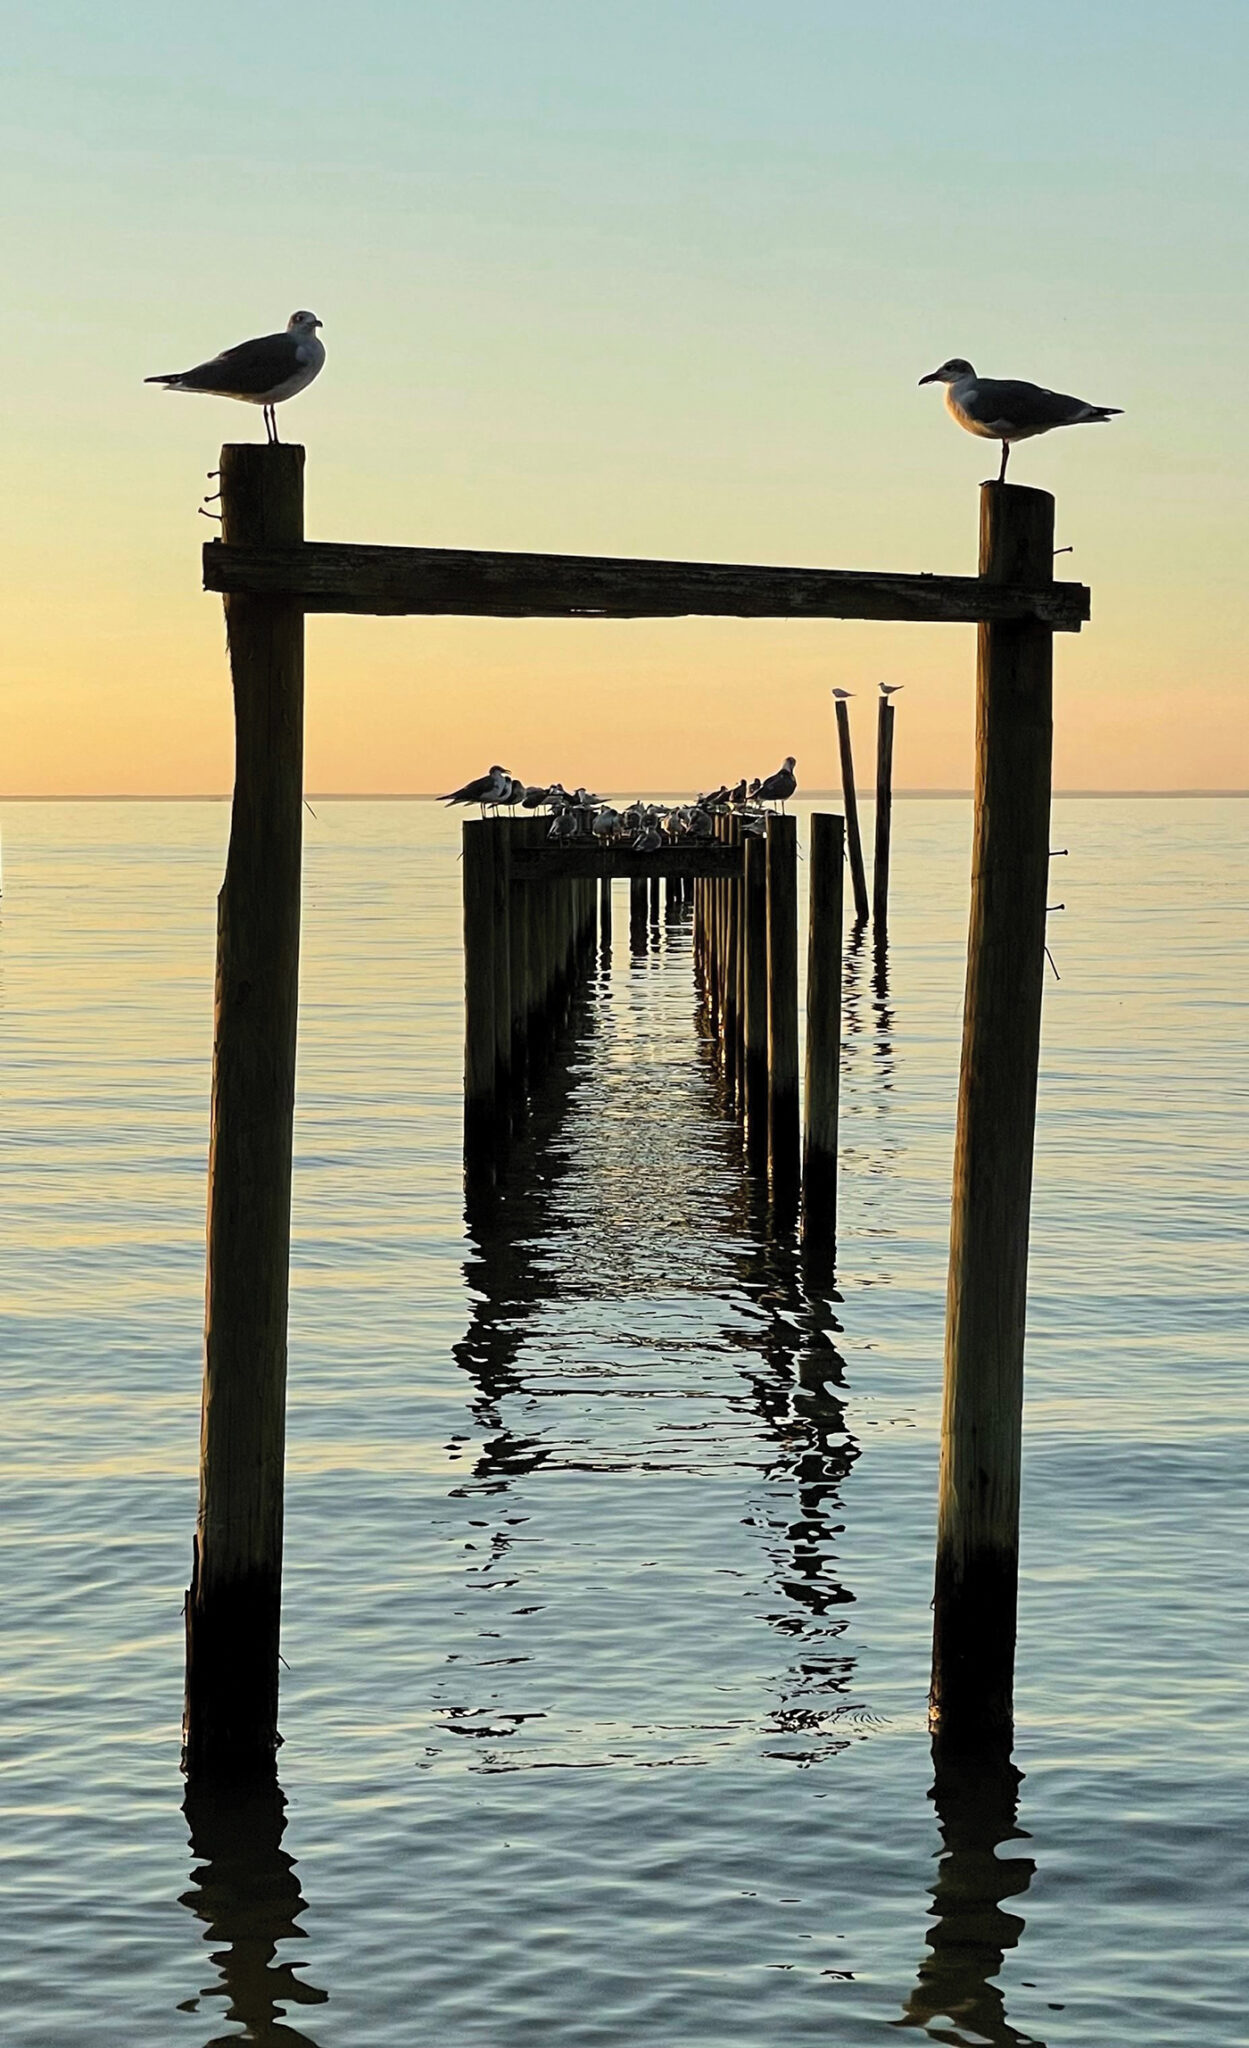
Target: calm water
(608,1549)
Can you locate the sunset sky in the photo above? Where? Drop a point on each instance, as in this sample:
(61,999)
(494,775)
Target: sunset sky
(646,279)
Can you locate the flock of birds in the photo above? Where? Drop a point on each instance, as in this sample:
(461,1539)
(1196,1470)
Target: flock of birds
(274,367)
(579,814)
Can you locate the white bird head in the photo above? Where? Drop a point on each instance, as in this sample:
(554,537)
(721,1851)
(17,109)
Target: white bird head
(950,373)
(303,324)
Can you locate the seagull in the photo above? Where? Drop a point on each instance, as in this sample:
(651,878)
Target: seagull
(261,372)
(841,695)
(775,789)
(1008,411)
(494,788)
(891,689)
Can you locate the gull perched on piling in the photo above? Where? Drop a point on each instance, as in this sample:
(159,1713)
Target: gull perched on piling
(494,788)
(778,788)
(261,372)
(891,689)
(841,695)
(1001,409)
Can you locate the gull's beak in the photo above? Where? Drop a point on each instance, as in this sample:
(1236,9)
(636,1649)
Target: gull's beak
(931,378)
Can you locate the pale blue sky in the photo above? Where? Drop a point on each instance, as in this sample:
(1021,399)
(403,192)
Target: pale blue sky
(653,279)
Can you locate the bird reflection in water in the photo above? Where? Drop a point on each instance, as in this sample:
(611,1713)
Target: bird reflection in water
(976,1799)
(245,1890)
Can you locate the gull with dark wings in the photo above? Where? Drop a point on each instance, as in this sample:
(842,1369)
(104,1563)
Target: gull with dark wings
(1002,409)
(262,372)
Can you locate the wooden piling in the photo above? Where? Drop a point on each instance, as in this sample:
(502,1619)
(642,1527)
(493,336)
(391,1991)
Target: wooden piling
(233,1607)
(782,857)
(854,841)
(638,897)
(884,817)
(732,942)
(823,1065)
(978,1509)
(500,829)
(604,917)
(481,1047)
(755,934)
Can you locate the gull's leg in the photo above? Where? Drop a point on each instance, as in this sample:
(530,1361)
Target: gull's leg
(1001,475)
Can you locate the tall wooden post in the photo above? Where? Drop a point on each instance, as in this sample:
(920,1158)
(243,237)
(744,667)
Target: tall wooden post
(233,1607)
(755,937)
(824,972)
(884,817)
(978,1510)
(481,1046)
(854,840)
(782,852)
(604,917)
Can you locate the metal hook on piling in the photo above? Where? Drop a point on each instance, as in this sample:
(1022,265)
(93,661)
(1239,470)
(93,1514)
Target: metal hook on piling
(204,513)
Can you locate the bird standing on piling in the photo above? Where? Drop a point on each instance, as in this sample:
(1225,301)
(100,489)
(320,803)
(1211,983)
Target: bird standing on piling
(494,788)
(841,695)
(778,788)
(1002,409)
(891,689)
(263,372)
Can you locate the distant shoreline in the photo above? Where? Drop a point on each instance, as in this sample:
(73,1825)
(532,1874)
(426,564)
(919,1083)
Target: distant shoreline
(417,796)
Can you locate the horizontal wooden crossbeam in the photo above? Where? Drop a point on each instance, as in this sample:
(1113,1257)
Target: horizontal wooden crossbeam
(464,582)
(552,861)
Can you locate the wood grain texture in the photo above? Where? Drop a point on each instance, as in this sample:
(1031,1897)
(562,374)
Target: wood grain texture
(233,1606)
(325,576)
(978,1508)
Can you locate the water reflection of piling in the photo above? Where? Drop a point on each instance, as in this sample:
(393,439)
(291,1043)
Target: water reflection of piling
(976,1801)
(245,1890)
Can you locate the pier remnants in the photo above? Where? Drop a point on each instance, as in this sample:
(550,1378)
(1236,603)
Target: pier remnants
(270,577)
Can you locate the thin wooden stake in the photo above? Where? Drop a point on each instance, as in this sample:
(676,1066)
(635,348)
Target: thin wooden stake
(233,1608)
(978,1511)
(853,840)
(884,817)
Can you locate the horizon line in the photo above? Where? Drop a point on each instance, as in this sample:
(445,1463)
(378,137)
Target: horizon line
(410,796)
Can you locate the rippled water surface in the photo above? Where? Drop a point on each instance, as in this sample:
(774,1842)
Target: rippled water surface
(609,1548)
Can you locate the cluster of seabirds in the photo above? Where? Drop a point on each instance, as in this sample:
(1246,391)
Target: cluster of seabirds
(579,814)
(275,367)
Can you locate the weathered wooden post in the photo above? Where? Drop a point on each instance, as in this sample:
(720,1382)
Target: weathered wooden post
(732,942)
(854,841)
(824,973)
(884,817)
(638,898)
(500,830)
(978,1510)
(481,1045)
(233,1607)
(604,917)
(755,932)
(782,856)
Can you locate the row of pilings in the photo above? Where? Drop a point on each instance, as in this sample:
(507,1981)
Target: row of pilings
(526,947)
(746,958)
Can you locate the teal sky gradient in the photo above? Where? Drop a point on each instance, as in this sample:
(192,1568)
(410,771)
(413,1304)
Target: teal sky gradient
(655,279)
